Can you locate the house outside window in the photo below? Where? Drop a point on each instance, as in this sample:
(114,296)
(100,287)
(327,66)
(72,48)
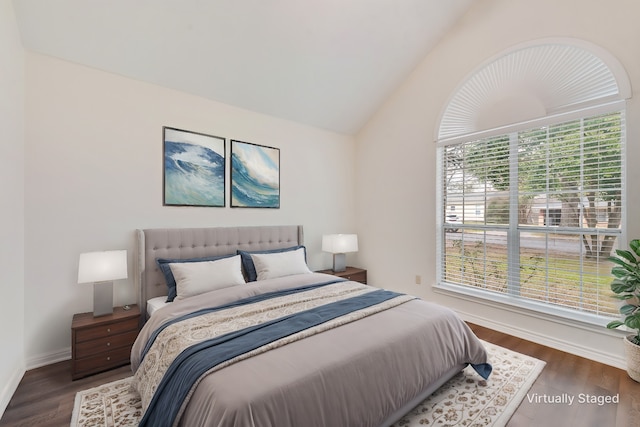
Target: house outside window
(541,200)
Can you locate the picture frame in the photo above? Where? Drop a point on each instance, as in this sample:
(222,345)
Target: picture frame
(255,175)
(194,166)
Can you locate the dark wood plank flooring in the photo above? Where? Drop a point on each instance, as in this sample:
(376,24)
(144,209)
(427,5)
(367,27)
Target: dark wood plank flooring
(45,395)
(572,376)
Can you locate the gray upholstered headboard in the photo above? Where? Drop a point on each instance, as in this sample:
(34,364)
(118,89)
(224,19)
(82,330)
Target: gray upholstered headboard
(200,242)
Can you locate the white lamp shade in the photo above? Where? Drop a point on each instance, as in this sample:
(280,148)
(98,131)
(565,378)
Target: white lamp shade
(340,243)
(102,266)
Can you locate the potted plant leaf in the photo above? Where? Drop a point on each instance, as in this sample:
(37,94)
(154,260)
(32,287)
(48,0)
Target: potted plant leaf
(626,287)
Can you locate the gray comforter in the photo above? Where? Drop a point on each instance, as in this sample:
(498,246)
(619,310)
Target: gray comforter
(357,374)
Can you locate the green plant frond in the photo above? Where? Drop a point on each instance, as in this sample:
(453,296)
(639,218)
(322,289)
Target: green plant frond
(619,280)
(627,255)
(632,321)
(622,263)
(628,309)
(619,272)
(622,287)
(623,297)
(614,324)
(626,287)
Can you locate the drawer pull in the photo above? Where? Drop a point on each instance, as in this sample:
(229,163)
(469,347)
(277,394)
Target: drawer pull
(108,344)
(108,329)
(108,357)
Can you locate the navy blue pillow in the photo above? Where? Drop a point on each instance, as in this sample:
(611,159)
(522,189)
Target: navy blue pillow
(163,263)
(247,262)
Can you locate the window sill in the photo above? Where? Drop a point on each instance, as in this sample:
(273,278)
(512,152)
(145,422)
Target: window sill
(586,321)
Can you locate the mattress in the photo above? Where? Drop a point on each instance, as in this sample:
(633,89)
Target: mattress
(156,303)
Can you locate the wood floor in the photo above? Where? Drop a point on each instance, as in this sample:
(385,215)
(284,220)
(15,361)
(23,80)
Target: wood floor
(45,395)
(574,376)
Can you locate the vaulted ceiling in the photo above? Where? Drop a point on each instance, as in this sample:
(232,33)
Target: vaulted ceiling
(325,63)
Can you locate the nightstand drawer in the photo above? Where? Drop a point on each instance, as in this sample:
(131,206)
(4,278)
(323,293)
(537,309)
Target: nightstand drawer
(89,348)
(104,342)
(106,330)
(101,362)
(357,277)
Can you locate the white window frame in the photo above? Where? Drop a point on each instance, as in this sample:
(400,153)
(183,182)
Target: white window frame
(508,300)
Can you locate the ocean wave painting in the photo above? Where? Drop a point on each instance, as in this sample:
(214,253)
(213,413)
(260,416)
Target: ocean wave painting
(255,175)
(194,169)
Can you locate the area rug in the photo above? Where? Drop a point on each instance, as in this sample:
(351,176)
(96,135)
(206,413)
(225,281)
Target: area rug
(465,400)
(470,401)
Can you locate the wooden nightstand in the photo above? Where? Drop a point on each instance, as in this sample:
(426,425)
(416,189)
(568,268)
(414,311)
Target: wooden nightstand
(351,273)
(102,343)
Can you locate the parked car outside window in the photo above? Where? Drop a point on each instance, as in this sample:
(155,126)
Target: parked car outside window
(452,219)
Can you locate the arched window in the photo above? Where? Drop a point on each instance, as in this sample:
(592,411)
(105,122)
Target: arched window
(531,179)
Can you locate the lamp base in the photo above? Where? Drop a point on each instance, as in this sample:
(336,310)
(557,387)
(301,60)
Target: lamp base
(102,298)
(339,263)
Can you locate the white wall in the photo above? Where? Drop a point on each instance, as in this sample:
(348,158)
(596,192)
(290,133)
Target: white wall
(396,154)
(94,174)
(11,204)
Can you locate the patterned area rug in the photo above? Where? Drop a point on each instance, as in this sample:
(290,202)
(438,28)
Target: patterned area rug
(470,401)
(465,400)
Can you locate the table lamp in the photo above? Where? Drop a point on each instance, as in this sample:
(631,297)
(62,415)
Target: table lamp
(339,245)
(101,269)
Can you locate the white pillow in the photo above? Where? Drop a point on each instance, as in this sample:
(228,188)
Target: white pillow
(194,278)
(278,264)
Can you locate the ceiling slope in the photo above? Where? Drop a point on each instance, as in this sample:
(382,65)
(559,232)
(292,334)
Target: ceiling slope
(325,63)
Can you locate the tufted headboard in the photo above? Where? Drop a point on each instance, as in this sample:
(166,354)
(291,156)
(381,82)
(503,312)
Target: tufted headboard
(200,242)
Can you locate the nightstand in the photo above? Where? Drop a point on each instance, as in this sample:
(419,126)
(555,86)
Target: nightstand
(102,343)
(351,273)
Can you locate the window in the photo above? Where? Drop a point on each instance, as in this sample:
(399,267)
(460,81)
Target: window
(552,198)
(530,151)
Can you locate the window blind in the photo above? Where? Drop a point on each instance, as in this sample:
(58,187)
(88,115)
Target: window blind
(535,213)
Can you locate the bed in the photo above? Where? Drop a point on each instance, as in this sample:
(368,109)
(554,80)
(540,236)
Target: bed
(342,353)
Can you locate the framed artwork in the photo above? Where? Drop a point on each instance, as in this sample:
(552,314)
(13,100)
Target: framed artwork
(255,176)
(194,169)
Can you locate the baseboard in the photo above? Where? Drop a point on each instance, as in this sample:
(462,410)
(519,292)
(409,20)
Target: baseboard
(10,388)
(49,358)
(610,359)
